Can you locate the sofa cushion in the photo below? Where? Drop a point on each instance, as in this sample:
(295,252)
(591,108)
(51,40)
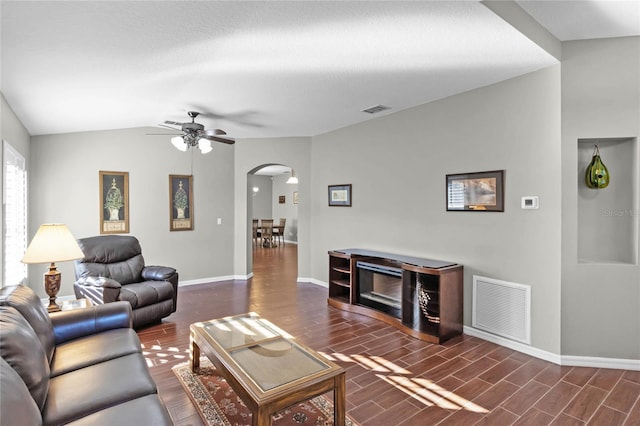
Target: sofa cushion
(14,393)
(20,348)
(146,293)
(27,302)
(93,349)
(147,410)
(85,391)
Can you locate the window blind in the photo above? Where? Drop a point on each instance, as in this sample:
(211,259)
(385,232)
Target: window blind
(14,208)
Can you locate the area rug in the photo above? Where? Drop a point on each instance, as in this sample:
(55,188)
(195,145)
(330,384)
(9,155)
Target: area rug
(218,404)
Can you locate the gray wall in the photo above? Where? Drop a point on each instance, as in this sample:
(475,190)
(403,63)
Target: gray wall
(64,188)
(600,99)
(287,210)
(263,199)
(397,165)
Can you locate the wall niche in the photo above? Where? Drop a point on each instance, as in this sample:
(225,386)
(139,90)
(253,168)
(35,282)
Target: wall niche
(608,217)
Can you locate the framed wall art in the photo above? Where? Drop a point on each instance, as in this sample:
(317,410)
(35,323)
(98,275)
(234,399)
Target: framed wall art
(478,191)
(295,197)
(114,202)
(340,195)
(180,202)
(281,199)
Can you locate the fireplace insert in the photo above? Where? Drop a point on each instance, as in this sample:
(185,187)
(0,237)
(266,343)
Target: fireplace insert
(380,287)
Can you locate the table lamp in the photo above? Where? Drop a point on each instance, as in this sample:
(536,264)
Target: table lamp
(52,243)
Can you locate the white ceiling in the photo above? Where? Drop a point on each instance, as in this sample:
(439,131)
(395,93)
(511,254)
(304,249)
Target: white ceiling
(266,69)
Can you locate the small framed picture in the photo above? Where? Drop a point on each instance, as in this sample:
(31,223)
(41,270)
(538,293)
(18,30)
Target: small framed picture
(295,197)
(281,199)
(180,202)
(478,191)
(114,202)
(340,195)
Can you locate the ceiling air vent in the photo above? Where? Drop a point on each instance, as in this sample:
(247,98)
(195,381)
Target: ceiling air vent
(375,109)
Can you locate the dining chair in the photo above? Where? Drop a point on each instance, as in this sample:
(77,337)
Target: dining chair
(266,228)
(256,232)
(279,232)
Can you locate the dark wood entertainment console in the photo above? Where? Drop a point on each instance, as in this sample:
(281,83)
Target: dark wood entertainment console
(427,303)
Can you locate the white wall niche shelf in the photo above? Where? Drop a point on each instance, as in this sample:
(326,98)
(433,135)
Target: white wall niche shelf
(608,218)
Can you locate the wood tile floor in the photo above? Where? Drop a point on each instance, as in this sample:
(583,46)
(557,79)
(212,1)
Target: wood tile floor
(393,379)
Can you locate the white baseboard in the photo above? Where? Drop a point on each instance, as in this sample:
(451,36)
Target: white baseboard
(569,360)
(313,281)
(597,362)
(185,283)
(516,346)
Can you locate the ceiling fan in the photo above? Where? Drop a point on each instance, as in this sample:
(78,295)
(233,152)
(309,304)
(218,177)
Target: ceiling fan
(195,135)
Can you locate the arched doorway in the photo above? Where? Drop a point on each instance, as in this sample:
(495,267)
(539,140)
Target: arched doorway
(271,195)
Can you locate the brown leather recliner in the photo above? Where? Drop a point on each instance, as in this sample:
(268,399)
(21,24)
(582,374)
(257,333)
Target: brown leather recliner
(113,269)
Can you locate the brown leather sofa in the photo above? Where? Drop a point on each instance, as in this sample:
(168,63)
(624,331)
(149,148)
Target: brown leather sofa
(79,367)
(113,269)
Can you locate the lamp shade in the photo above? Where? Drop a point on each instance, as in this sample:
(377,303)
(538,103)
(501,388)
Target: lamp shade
(179,143)
(52,243)
(292,179)
(204,145)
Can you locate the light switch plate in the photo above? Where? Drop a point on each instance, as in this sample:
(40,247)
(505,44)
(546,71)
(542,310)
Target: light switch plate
(530,202)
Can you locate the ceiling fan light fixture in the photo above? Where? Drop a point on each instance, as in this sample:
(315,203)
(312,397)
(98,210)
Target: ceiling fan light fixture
(292,179)
(204,145)
(179,143)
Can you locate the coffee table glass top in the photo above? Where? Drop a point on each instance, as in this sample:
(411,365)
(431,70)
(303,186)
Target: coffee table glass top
(266,354)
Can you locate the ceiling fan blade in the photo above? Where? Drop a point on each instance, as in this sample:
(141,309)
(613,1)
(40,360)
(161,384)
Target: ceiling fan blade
(163,134)
(214,132)
(173,123)
(218,139)
(167,127)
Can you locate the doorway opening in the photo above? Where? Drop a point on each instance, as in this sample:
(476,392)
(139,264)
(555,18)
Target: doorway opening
(273,203)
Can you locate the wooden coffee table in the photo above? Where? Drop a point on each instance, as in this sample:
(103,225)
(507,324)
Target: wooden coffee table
(265,366)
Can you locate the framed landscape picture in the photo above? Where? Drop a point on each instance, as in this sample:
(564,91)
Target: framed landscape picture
(114,202)
(180,202)
(340,195)
(479,191)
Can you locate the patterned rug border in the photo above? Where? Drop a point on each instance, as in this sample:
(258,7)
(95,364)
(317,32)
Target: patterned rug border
(208,408)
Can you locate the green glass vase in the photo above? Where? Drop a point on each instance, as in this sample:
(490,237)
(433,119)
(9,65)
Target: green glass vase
(597,175)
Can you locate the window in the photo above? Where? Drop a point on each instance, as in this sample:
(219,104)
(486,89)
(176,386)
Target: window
(14,206)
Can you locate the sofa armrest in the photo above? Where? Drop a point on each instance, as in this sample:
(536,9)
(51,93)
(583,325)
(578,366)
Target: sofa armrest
(69,325)
(99,282)
(98,289)
(158,273)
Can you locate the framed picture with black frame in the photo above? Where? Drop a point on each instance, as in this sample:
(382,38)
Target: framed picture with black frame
(477,192)
(340,195)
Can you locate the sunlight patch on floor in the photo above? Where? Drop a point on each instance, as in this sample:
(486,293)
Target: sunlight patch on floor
(421,389)
(156,354)
(429,393)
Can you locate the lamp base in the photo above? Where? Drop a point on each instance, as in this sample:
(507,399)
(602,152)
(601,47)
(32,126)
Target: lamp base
(52,280)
